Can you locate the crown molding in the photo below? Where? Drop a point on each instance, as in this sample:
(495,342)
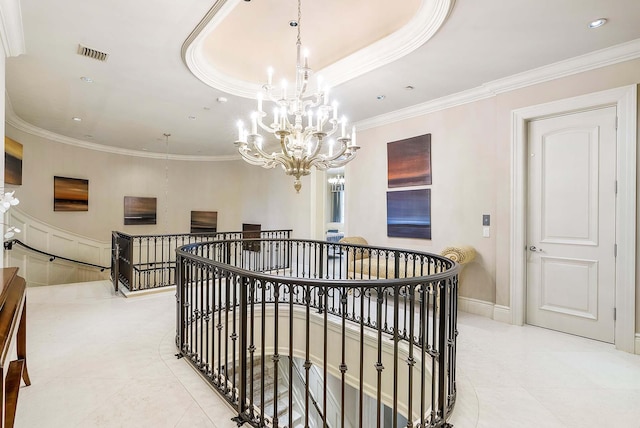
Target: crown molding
(11,30)
(429,18)
(16,122)
(601,58)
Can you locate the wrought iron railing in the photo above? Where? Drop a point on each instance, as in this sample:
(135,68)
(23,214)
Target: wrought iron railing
(8,245)
(141,262)
(390,337)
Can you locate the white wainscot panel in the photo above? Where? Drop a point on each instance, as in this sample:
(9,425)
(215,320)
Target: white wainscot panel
(37,238)
(88,253)
(61,245)
(61,273)
(38,271)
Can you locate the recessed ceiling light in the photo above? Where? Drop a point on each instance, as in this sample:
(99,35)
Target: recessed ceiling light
(77,119)
(380,97)
(598,23)
(88,136)
(409,88)
(192,118)
(221,100)
(86,79)
(206,108)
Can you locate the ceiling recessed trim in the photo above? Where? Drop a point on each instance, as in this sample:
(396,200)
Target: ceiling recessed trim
(429,18)
(16,122)
(627,51)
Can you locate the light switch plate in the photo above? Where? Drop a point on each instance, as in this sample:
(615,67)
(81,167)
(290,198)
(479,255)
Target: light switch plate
(486,220)
(485,232)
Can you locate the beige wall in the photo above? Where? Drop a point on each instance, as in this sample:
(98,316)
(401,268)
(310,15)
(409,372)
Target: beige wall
(239,192)
(471,161)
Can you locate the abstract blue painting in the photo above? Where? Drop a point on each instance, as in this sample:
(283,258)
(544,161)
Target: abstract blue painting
(409,214)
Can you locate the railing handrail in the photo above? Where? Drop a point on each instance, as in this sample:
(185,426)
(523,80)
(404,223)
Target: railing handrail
(200,234)
(8,244)
(453,269)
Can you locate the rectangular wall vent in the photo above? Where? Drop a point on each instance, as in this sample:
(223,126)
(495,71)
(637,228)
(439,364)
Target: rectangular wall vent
(92,53)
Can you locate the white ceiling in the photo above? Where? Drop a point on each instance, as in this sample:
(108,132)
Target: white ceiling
(145,89)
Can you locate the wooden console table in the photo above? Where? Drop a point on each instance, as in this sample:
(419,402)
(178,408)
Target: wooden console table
(13,316)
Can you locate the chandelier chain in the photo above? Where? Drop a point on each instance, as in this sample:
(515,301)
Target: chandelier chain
(299,42)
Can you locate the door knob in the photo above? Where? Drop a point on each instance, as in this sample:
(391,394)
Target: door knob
(533,248)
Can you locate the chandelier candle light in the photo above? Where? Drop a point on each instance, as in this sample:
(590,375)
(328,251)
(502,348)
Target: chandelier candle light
(301,147)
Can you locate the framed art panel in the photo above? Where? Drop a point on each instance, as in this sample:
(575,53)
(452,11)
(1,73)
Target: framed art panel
(139,210)
(409,214)
(409,162)
(251,231)
(70,194)
(204,221)
(12,162)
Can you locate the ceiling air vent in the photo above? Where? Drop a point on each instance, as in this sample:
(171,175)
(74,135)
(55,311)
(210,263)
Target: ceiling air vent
(92,53)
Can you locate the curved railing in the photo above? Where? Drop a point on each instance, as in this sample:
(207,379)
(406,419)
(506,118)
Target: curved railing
(378,324)
(143,262)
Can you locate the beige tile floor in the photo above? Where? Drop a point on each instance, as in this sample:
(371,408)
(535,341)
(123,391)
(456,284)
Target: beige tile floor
(100,360)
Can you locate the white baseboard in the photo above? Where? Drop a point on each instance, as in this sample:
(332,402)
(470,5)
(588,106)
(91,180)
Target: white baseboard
(483,308)
(475,306)
(128,294)
(638,343)
(502,314)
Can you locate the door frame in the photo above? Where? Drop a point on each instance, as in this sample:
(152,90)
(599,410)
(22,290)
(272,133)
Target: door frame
(625,100)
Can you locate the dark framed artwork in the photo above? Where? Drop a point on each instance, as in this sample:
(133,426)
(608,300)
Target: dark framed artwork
(204,221)
(70,194)
(12,162)
(251,231)
(409,214)
(409,162)
(139,210)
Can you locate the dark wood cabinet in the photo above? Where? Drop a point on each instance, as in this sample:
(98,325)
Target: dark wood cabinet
(13,326)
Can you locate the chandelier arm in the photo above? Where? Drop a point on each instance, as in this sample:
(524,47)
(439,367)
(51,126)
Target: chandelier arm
(322,165)
(344,148)
(261,153)
(285,151)
(261,124)
(317,149)
(253,159)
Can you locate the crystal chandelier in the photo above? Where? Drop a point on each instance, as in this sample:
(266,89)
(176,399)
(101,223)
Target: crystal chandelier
(302,123)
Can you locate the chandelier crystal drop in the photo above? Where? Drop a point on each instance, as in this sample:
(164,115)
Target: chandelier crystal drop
(301,121)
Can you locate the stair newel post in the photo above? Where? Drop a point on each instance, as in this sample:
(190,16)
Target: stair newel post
(242,399)
(307,353)
(180,326)
(276,355)
(443,353)
(343,364)
(291,294)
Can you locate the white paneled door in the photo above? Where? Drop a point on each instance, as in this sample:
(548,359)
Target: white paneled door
(571,223)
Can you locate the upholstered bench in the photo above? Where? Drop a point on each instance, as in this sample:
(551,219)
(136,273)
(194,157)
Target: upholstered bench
(362,264)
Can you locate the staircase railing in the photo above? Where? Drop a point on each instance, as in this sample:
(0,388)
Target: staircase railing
(8,245)
(391,337)
(148,261)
